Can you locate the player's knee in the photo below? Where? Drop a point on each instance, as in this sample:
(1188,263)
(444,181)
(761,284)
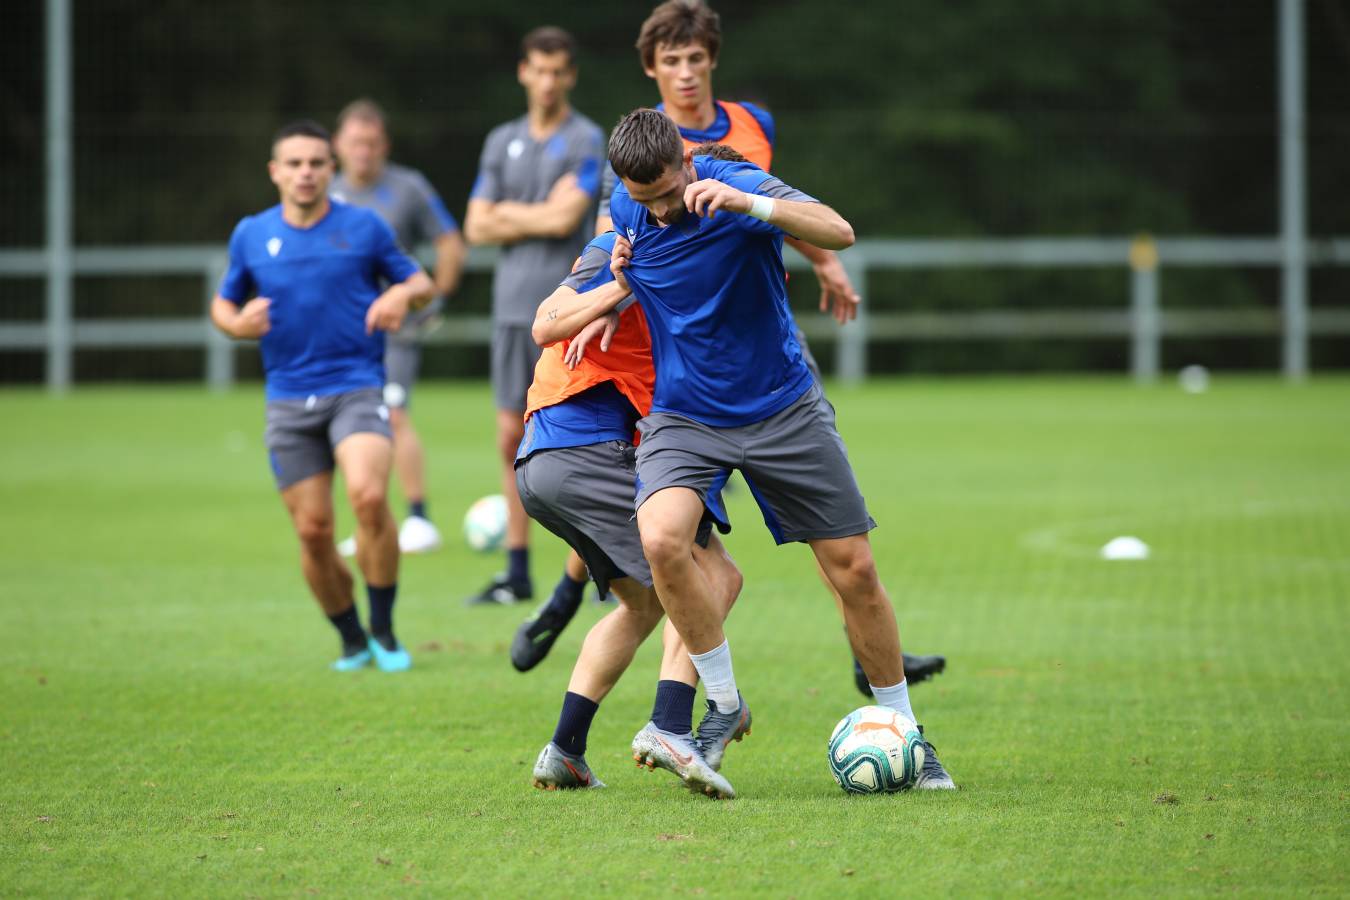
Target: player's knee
(369,501)
(315,532)
(854,571)
(735,581)
(664,546)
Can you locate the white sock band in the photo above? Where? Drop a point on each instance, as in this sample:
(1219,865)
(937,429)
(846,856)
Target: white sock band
(719,682)
(895,697)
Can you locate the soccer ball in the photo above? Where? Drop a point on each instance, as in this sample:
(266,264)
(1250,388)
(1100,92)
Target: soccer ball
(485,523)
(875,750)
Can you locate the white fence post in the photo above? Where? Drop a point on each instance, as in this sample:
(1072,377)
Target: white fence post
(219,348)
(851,361)
(1145,324)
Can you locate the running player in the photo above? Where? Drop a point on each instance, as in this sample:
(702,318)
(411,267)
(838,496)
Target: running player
(701,250)
(574,470)
(406,200)
(535,195)
(305,280)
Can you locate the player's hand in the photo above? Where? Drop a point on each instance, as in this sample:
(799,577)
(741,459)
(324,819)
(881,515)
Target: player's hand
(254,320)
(388,311)
(605,326)
(837,295)
(706,197)
(619,258)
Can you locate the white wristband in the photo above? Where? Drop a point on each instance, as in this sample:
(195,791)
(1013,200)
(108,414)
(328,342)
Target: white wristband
(761,207)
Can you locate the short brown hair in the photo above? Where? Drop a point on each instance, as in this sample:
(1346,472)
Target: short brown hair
(362,109)
(718,151)
(676,23)
(644,145)
(549,39)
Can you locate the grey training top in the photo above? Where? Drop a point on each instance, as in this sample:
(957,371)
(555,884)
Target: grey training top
(516,167)
(410,205)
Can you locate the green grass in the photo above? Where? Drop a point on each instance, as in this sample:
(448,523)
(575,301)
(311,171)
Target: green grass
(168,724)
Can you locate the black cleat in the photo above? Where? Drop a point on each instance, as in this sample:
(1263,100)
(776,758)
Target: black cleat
(501,590)
(922,668)
(917,669)
(536,635)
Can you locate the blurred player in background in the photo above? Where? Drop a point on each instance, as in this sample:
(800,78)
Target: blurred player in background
(535,195)
(408,203)
(306,278)
(678,46)
(701,249)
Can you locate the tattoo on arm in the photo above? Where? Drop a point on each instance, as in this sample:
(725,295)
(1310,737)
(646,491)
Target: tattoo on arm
(552,314)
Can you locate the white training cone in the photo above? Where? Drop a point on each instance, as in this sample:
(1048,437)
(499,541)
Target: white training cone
(1125,547)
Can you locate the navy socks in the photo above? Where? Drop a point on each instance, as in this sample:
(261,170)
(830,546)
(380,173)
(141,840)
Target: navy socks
(574,723)
(674,707)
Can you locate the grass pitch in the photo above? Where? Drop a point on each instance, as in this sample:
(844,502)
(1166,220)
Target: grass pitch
(168,725)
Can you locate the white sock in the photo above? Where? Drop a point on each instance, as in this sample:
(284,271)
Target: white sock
(719,682)
(895,697)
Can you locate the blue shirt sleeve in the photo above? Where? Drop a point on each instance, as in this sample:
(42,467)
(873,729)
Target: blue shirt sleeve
(592,267)
(433,219)
(238,283)
(586,161)
(390,260)
(765,120)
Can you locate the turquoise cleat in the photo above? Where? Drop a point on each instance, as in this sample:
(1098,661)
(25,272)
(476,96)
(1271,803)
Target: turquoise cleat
(353,659)
(393,658)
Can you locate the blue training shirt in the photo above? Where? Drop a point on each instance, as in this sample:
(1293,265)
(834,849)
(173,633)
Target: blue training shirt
(715,295)
(321,281)
(598,414)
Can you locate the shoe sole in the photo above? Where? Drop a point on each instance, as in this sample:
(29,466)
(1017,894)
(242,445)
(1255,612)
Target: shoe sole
(708,783)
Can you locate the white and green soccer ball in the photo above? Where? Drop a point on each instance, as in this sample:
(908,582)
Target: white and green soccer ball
(485,523)
(875,750)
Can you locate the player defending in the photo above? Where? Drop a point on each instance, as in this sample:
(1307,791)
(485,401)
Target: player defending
(575,473)
(702,252)
(408,203)
(535,196)
(312,268)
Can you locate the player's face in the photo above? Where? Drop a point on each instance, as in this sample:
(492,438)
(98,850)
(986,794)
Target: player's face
(683,75)
(547,78)
(664,197)
(301,168)
(362,148)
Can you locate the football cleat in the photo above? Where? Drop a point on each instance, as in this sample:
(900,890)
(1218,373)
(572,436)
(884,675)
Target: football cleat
(353,657)
(555,770)
(677,753)
(932,776)
(922,668)
(536,635)
(719,729)
(390,655)
(418,535)
(501,590)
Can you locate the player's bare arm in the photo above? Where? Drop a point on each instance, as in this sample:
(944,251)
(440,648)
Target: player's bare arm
(243,323)
(837,294)
(509,221)
(450,254)
(602,328)
(391,308)
(565,312)
(814,223)
(619,258)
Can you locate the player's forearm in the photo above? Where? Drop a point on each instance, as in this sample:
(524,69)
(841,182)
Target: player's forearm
(417,289)
(813,254)
(565,312)
(553,218)
(224,315)
(490,223)
(450,253)
(813,223)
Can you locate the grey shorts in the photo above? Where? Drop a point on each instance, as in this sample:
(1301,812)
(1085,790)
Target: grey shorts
(402,359)
(514,354)
(301,434)
(584,495)
(794,463)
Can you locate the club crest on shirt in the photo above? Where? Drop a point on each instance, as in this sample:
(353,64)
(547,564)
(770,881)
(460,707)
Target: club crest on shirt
(274,246)
(632,236)
(515,148)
